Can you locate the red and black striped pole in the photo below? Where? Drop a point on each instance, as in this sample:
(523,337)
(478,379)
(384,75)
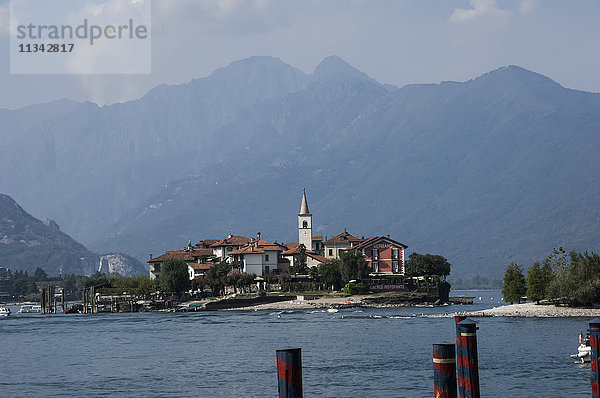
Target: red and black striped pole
(444,373)
(459,356)
(470,361)
(289,373)
(594,342)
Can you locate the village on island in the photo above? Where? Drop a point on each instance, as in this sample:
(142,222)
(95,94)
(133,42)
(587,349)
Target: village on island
(249,272)
(384,256)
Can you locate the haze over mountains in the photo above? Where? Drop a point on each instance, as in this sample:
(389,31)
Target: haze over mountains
(497,169)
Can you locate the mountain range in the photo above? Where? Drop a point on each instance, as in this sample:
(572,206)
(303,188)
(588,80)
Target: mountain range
(497,169)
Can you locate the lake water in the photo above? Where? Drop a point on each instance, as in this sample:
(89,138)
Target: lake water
(353,353)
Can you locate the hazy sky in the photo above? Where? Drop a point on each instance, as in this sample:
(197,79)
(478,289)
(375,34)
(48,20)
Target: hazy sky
(394,41)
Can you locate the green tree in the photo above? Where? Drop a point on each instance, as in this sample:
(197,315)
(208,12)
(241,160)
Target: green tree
(514,284)
(547,277)
(535,283)
(217,277)
(352,266)
(329,274)
(559,287)
(174,277)
(40,275)
(583,277)
(69,283)
(428,264)
(299,267)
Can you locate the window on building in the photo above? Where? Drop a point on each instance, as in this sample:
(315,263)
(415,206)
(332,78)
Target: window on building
(375,266)
(331,252)
(375,254)
(266,269)
(305,224)
(394,254)
(266,257)
(395,266)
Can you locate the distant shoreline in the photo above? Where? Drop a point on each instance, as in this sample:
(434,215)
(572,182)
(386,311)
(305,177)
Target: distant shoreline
(532,310)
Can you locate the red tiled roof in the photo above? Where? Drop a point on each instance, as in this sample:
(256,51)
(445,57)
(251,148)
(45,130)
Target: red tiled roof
(199,266)
(317,238)
(207,242)
(343,237)
(232,241)
(296,250)
(317,257)
(291,245)
(248,250)
(262,247)
(184,254)
(201,251)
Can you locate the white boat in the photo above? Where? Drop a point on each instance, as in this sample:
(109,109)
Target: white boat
(28,309)
(332,309)
(4,311)
(584,351)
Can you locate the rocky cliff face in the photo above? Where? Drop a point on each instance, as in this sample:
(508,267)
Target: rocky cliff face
(27,243)
(120,264)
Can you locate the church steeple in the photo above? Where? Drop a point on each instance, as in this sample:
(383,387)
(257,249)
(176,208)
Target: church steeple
(305,224)
(304,206)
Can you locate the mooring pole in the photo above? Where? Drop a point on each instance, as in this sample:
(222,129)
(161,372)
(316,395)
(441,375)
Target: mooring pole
(459,357)
(289,373)
(62,301)
(43,300)
(444,371)
(595,356)
(53,290)
(84,299)
(49,300)
(470,360)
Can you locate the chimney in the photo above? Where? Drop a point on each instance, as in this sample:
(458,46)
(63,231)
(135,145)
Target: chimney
(388,235)
(150,256)
(257,237)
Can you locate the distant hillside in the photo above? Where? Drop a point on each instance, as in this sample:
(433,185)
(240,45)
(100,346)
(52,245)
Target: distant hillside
(27,243)
(497,169)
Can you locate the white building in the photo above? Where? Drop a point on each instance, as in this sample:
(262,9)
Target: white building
(258,257)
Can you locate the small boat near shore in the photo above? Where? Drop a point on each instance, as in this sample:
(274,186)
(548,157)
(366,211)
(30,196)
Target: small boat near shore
(30,309)
(4,311)
(584,351)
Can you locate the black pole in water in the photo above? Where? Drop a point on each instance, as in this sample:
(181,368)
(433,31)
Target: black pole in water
(595,356)
(444,373)
(43,301)
(459,357)
(470,361)
(289,373)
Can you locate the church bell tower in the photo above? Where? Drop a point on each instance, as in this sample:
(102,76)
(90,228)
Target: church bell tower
(305,224)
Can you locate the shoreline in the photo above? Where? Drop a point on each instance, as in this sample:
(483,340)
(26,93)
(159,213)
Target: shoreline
(522,310)
(533,310)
